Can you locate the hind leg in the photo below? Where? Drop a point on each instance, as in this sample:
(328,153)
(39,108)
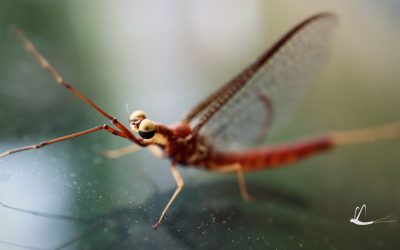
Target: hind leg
(236,168)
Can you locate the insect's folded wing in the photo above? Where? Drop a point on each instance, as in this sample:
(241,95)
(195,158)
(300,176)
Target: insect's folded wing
(243,121)
(261,98)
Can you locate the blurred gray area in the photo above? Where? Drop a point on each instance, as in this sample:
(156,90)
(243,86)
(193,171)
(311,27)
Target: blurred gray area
(164,57)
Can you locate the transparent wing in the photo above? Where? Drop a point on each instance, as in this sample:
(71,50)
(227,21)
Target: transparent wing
(261,98)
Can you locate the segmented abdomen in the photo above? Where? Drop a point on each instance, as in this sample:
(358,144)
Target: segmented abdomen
(269,157)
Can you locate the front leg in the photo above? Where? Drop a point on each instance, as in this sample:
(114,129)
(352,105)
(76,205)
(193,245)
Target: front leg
(179,183)
(64,138)
(236,168)
(116,153)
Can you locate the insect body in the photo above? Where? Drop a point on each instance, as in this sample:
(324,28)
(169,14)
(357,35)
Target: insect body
(220,133)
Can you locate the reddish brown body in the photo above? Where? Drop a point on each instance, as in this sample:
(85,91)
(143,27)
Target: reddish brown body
(269,157)
(187,149)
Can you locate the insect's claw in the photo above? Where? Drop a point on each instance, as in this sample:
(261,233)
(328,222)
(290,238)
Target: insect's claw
(248,198)
(245,194)
(157,225)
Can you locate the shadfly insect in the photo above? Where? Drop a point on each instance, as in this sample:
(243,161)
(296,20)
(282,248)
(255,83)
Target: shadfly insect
(220,133)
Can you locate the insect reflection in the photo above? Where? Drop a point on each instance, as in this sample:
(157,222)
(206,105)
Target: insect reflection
(118,220)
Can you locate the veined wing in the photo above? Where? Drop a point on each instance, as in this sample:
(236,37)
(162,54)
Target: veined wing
(261,97)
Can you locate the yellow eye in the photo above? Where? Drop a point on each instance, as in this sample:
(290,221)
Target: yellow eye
(147,129)
(137,115)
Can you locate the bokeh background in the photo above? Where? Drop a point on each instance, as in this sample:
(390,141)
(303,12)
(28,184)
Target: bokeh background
(164,57)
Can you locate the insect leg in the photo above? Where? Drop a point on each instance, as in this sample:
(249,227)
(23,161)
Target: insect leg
(237,168)
(63,138)
(121,151)
(30,48)
(47,215)
(155,150)
(93,226)
(14,245)
(179,183)
(78,237)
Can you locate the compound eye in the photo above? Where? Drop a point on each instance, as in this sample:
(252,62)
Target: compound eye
(137,115)
(147,129)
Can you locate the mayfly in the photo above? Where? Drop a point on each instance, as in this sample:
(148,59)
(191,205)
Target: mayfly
(356,217)
(219,133)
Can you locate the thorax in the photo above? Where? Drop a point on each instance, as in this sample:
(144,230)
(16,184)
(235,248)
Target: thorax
(184,148)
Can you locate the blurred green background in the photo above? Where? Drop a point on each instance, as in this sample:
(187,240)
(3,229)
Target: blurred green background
(164,57)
